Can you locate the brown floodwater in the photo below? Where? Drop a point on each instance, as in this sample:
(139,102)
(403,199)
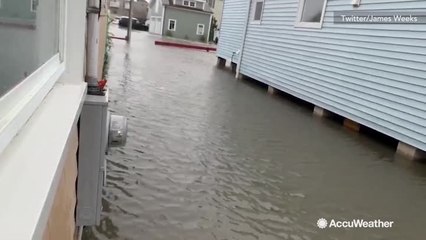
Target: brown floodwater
(211,157)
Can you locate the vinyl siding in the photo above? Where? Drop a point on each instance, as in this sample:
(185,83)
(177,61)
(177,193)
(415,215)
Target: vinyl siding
(373,74)
(186,23)
(232,29)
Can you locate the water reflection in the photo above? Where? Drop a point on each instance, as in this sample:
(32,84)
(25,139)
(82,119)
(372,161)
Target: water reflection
(29,36)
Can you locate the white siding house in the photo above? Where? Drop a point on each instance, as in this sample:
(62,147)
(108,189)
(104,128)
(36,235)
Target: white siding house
(232,30)
(373,74)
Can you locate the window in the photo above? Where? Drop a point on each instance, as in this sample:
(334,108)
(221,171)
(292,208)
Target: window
(311,13)
(186,3)
(257,11)
(200,29)
(34,4)
(212,3)
(192,4)
(31,44)
(172,25)
(27,40)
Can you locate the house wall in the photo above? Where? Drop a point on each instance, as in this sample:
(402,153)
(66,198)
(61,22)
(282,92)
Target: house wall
(152,12)
(61,221)
(372,74)
(199,5)
(234,20)
(186,23)
(140,9)
(217,11)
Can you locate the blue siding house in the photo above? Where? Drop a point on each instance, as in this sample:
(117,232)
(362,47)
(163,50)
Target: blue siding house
(373,74)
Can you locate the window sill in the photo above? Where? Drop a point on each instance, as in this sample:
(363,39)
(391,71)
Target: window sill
(31,163)
(257,22)
(308,25)
(18,23)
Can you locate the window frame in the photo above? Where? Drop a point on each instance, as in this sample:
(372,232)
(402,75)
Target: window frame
(32,5)
(204,29)
(314,25)
(192,2)
(168,25)
(19,103)
(253,11)
(187,3)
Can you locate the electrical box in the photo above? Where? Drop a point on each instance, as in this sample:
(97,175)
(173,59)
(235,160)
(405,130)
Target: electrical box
(94,129)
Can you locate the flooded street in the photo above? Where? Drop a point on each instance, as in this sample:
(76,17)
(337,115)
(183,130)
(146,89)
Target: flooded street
(211,157)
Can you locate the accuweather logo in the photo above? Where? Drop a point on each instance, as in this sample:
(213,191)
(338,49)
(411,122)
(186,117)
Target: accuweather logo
(322,223)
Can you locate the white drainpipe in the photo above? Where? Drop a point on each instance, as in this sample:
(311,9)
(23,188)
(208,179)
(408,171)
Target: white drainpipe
(92,54)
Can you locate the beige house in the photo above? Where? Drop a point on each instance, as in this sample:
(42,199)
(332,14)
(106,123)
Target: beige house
(217,7)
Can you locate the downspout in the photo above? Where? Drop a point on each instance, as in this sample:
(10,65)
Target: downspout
(92,51)
(243,40)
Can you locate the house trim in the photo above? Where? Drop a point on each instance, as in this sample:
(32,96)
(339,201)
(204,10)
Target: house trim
(162,19)
(191,10)
(253,4)
(210,28)
(175,26)
(17,106)
(204,29)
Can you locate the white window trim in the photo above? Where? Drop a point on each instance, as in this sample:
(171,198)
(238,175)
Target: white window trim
(31,6)
(18,105)
(204,29)
(168,26)
(187,3)
(301,24)
(253,12)
(191,2)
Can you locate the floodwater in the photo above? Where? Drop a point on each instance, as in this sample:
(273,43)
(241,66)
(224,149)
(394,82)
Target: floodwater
(210,157)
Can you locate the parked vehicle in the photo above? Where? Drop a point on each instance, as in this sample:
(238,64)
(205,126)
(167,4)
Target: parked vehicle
(124,21)
(136,24)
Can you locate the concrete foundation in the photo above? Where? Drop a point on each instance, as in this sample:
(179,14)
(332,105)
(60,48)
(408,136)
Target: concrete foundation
(239,76)
(410,152)
(351,125)
(272,90)
(221,62)
(321,112)
(234,67)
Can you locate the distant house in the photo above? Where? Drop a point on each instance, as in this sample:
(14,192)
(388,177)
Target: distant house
(217,7)
(184,19)
(121,8)
(372,74)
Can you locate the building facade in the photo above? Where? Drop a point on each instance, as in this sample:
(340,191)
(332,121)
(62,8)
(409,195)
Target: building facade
(371,74)
(121,8)
(183,19)
(42,93)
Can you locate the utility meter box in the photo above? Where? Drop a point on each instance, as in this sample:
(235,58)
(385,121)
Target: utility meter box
(94,131)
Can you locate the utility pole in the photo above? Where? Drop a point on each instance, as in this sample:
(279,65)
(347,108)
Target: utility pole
(130,25)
